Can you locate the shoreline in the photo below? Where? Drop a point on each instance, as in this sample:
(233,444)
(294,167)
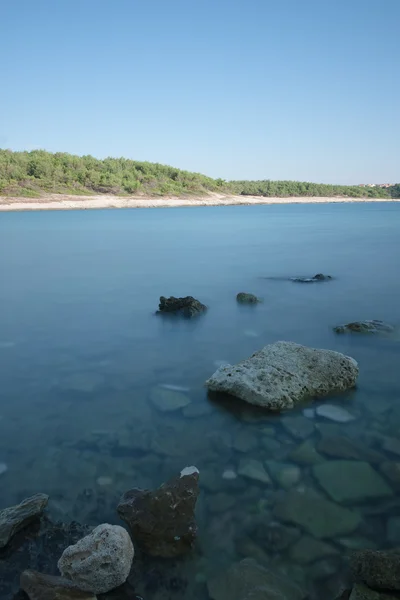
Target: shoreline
(104,201)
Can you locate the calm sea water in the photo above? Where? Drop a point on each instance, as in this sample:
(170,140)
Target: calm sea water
(81,351)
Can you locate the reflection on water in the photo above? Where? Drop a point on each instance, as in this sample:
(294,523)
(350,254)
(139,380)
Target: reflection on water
(98,395)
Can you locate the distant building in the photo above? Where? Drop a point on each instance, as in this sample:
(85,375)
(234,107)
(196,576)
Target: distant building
(381,185)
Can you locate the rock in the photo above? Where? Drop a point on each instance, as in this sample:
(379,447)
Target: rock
(163,522)
(286,475)
(356,543)
(299,427)
(254,469)
(350,481)
(244,298)
(369,326)
(308,550)
(229,474)
(99,562)
(315,279)
(220,502)
(391,470)
(306,454)
(3,468)
(245,441)
(316,515)
(340,446)
(283,374)
(334,413)
(39,586)
(275,536)
(187,307)
(15,518)
(247,580)
(362,592)
(393,531)
(309,413)
(200,409)
(380,570)
(168,400)
(323,569)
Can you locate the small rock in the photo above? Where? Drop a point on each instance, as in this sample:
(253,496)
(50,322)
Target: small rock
(254,469)
(306,454)
(39,586)
(103,480)
(187,307)
(308,550)
(379,570)
(350,481)
(286,475)
(249,333)
(163,521)
(244,298)
(369,326)
(15,518)
(245,441)
(99,562)
(229,474)
(315,279)
(334,413)
(299,427)
(168,400)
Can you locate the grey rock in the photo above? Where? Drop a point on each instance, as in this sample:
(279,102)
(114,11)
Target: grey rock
(244,298)
(247,580)
(340,446)
(15,518)
(379,570)
(334,413)
(306,454)
(351,481)
(299,427)
(283,374)
(284,474)
(163,521)
(254,469)
(168,400)
(39,586)
(99,562)
(316,515)
(368,326)
(308,549)
(187,307)
(245,441)
(363,592)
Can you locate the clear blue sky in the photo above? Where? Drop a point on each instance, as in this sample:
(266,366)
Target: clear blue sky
(239,89)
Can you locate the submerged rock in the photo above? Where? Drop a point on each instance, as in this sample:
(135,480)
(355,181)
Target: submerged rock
(351,481)
(186,307)
(283,374)
(163,521)
(306,454)
(299,427)
(307,550)
(15,518)
(99,562)
(39,586)
(254,469)
(380,570)
(168,400)
(340,446)
(369,326)
(334,413)
(363,592)
(315,279)
(244,298)
(316,515)
(247,580)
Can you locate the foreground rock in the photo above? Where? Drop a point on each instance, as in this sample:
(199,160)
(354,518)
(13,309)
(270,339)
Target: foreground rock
(372,326)
(244,298)
(15,518)
(379,570)
(283,374)
(186,307)
(247,580)
(163,521)
(38,586)
(99,562)
(317,278)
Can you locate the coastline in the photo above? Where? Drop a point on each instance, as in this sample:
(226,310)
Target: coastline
(71,202)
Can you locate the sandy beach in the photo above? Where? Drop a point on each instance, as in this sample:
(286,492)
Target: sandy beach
(71,202)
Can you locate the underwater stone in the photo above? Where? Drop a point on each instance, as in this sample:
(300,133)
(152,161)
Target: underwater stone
(15,518)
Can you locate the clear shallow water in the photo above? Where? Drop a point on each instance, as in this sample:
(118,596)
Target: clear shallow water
(81,350)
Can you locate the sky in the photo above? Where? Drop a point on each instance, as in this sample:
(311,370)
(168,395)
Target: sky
(240,89)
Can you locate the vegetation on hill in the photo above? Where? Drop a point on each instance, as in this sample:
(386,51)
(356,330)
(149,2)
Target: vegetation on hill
(32,173)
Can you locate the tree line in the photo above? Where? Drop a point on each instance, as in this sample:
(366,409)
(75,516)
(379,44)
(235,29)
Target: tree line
(36,172)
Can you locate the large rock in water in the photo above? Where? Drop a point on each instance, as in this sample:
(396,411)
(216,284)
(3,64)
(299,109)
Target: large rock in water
(247,580)
(283,374)
(99,562)
(316,278)
(187,307)
(38,586)
(163,521)
(369,326)
(15,518)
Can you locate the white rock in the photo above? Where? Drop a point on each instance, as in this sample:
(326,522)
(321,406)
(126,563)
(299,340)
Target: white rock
(189,471)
(334,413)
(283,374)
(174,388)
(229,474)
(99,562)
(3,468)
(250,333)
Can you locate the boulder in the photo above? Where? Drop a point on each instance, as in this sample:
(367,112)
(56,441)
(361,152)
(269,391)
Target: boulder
(315,279)
(369,326)
(284,374)
(247,580)
(379,570)
(186,307)
(163,521)
(363,592)
(244,298)
(15,518)
(99,562)
(38,586)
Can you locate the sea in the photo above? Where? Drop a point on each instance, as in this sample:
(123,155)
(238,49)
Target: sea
(90,376)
